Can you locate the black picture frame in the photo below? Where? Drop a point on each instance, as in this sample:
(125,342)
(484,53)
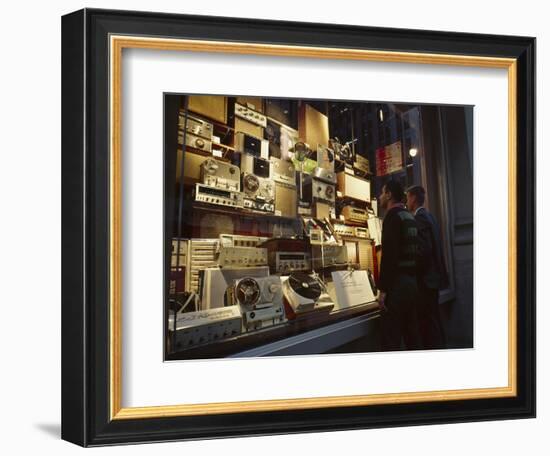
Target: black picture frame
(86,390)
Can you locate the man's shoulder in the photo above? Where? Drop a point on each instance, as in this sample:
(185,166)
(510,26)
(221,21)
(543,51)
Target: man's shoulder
(423,216)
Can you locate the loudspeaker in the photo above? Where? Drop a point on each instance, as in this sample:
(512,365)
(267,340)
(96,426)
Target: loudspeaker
(211,106)
(191,166)
(286,200)
(313,126)
(283,111)
(249,128)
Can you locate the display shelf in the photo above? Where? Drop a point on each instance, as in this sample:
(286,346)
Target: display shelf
(241,212)
(246,341)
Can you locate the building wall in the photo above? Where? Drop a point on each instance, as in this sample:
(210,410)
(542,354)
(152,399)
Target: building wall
(448,161)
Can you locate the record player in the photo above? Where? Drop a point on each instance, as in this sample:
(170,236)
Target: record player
(305,293)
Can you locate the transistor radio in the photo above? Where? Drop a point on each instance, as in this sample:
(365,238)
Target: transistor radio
(251,145)
(219,196)
(219,174)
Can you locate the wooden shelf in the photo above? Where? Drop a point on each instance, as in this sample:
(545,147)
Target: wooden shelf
(241,212)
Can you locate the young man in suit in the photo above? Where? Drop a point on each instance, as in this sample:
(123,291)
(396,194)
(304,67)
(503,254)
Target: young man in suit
(432,273)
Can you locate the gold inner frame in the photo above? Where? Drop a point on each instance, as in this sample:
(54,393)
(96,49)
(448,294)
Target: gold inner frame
(117,44)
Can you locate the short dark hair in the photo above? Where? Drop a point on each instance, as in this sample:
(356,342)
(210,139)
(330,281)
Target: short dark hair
(396,190)
(419,192)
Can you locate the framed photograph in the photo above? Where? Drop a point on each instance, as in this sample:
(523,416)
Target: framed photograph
(278,227)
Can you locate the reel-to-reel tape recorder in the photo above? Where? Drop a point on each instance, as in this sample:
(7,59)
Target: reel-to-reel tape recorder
(260,299)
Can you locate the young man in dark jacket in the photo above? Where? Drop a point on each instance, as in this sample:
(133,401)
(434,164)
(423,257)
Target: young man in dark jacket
(397,281)
(432,273)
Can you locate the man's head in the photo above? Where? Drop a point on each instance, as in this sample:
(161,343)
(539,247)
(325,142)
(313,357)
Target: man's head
(415,197)
(392,193)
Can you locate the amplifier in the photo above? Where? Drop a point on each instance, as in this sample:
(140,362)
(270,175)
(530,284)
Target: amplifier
(328,255)
(353,187)
(195,126)
(313,126)
(202,254)
(237,240)
(204,326)
(250,115)
(354,214)
(351,231)
(283,171)
(362,232)
(211,106)
(343,230)
(251,145)
(219,174)
(287,262)
(214,282)
(196,142)
(205,194)
(286,200)
(258,166)
(242,257)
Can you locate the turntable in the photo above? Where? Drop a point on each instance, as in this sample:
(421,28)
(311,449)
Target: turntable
(305,294)
(301,290)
